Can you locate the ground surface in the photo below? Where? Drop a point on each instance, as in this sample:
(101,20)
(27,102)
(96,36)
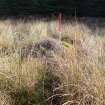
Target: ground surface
(41,66)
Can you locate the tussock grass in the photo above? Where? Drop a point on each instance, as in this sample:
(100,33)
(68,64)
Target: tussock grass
(5,99)
(75,77)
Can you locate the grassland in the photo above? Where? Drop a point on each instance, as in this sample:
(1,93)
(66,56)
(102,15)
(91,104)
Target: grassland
(71,74)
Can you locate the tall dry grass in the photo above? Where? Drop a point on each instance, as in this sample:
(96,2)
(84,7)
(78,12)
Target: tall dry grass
(75,78)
